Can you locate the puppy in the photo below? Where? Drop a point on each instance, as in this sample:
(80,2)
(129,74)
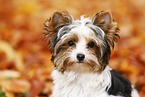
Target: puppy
(81,51)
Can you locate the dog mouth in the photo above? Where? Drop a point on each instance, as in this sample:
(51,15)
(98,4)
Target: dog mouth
(80,62)
(85,65)
(88,63)
(82,66)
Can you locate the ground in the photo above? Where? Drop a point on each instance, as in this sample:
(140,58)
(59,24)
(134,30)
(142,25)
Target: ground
(25,65)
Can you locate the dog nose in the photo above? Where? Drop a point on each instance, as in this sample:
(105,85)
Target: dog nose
(80,57)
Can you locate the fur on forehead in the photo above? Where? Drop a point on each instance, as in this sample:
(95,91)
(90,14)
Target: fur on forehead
(62,22)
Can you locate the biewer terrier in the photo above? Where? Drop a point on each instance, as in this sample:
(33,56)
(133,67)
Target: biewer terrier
(81,51)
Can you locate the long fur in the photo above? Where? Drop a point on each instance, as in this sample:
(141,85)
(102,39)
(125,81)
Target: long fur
(93,39)
(72,84)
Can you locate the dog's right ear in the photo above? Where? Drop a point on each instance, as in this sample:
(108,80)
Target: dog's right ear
(52,25)
(59,19)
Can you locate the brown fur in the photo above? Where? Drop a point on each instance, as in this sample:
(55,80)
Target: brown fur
(103,19)
(52,25)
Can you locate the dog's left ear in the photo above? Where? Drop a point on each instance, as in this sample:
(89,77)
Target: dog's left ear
(103,19)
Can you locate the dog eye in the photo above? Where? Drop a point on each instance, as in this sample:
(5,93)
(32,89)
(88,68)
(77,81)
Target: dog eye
(91,44)
(71,43)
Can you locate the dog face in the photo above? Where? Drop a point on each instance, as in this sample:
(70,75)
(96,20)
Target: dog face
(81,45)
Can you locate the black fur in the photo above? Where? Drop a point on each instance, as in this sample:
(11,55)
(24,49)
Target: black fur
(119,85)
(64,31)
(107,52)
(55,40)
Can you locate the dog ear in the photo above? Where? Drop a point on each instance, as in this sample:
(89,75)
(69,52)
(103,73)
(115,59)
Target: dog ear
(59,19)
(52,25)
(103,19)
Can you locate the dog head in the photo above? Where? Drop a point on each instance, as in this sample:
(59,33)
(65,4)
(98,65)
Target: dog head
(81,45)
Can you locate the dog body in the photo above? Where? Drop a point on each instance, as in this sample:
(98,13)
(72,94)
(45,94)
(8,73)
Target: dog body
(81,51)
(71,84)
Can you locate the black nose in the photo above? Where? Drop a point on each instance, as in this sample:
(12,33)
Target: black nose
(80,57)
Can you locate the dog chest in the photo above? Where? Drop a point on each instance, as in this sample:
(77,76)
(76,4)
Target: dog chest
(71,84)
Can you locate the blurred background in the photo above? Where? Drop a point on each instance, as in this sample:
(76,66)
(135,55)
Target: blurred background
(25,65)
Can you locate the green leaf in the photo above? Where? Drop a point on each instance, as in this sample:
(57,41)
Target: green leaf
(24,94)
(2,94)
(9,78)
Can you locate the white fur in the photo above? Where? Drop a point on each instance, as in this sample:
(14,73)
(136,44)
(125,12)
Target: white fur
(134,93)
(78,80)
(83,31)
(72,84)
(83,22)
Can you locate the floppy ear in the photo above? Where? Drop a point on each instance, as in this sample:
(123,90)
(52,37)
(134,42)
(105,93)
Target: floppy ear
(52,25)
(103,19)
